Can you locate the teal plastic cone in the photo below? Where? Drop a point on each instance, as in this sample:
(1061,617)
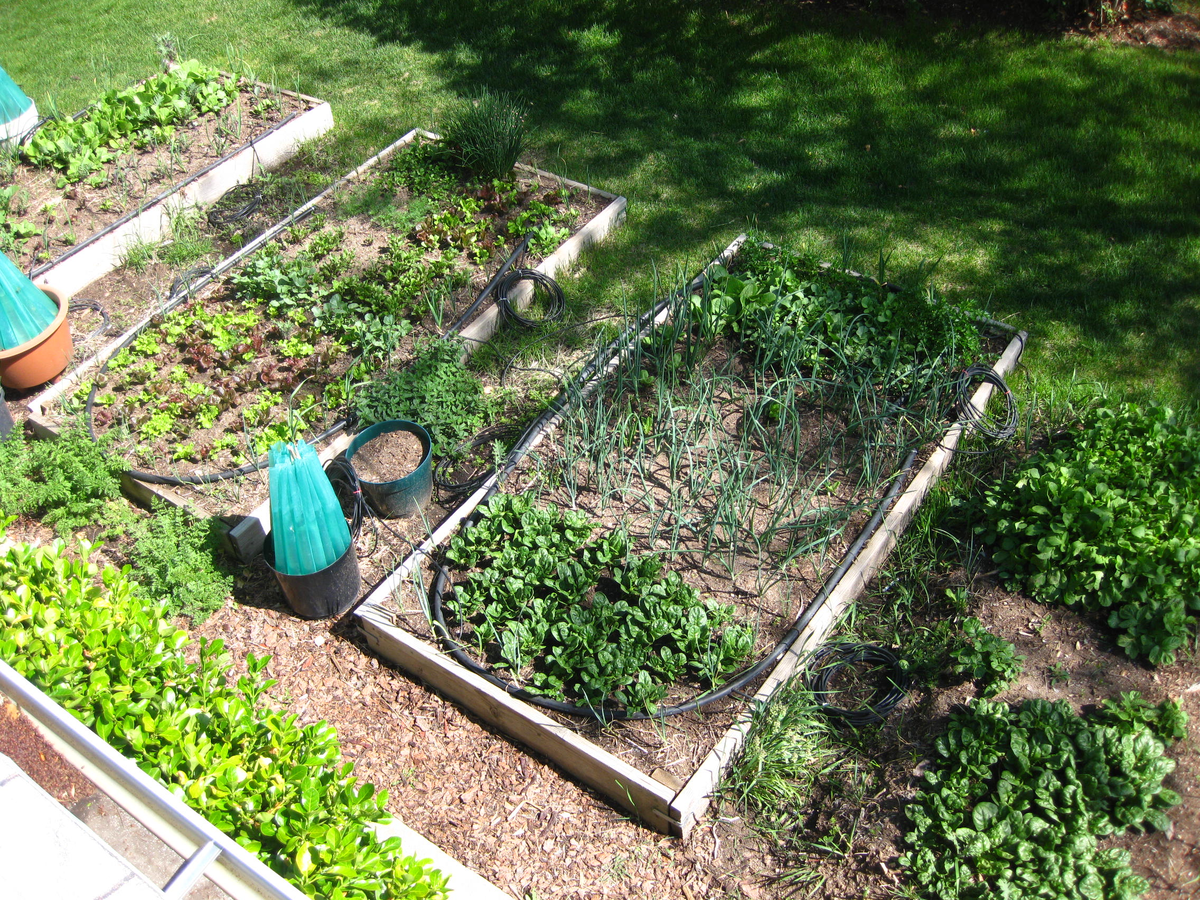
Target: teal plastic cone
(17,112)
(25,312)
(308,529)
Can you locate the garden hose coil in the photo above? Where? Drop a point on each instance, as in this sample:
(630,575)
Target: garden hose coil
(828,659)
(555,306)
(443,466)
(236,204)
(980,420)
(79,305)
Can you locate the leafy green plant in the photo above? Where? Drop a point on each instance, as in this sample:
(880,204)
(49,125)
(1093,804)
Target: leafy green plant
(986,658)
(579,618)
(176,558)
(1107,519)
(141,115)
(1018,796)
(437,391)
(791,310)
(95,646)
(1167,721)
(485,134)
(67,483)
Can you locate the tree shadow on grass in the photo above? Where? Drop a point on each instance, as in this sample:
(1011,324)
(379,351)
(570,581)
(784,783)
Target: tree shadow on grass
(1057,180)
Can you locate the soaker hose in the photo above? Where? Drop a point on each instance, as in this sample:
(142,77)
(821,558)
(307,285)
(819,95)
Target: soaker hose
(236,204)
(828,659)
(989,426)
(490,286)
(79,305)
(441,581)
(556,304)
(443,466)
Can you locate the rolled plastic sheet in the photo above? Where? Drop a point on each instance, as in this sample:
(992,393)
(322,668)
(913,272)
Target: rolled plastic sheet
(308,528)
(25,311)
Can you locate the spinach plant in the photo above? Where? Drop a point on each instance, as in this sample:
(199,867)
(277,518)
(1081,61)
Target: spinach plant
(1018,796)
(580,618)
(1108,520)
(982,656)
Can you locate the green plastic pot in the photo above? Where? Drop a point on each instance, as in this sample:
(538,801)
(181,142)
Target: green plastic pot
(407,495)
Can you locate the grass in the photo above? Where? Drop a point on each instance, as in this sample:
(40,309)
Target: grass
(1053,178)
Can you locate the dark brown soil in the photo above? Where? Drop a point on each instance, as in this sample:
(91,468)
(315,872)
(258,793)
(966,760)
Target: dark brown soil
(389,457)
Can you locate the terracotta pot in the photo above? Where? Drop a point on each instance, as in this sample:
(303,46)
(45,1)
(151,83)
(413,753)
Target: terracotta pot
(37,361)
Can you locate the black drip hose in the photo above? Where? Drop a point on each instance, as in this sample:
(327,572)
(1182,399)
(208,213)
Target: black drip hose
(338,470)
(444,466)
(491,286)
(79,305)
(237,203)
(183,281)
(606,714)
(828,659)
(555,306)
(987,425)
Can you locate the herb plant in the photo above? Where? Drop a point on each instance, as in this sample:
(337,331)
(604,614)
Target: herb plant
(1018,797)
(580,618)
(177,559)
(791,310)
(95,646)
(485,134)
(437,392)
(1108,520)
(67,483)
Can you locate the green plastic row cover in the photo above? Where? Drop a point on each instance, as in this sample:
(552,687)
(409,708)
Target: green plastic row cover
(17,112)
(308,529)
(25,311)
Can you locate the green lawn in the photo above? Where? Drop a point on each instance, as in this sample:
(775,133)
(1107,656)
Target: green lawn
(1056,179)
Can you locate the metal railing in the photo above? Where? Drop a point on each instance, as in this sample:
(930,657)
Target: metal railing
(209,846)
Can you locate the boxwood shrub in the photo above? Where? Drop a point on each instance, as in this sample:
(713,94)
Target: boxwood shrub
(94,644)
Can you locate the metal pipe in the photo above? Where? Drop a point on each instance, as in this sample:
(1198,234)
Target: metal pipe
(153,795)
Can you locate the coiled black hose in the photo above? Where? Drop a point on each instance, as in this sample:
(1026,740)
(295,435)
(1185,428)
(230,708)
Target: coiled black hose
(829,659)
(80,304)
(236,204)
(443,467)
(339,471)
(555,306)
(980,420)
(442,581)
(513,257)
(183,281)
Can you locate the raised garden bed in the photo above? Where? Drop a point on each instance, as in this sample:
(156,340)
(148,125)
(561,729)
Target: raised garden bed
(749,506)
(359,279)
(74,216)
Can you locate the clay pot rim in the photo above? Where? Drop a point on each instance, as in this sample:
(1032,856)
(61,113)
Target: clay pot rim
(55,295)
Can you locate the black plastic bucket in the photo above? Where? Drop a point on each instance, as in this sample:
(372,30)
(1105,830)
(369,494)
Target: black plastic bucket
(329,592)
(405,496)
(6,419)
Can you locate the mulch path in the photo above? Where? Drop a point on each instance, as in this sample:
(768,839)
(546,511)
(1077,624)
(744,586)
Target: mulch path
(24,745)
